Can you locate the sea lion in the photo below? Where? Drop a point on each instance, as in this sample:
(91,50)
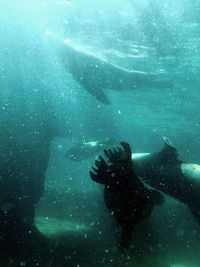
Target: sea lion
(95,73)
(84,150)
(125,195)
(164,171)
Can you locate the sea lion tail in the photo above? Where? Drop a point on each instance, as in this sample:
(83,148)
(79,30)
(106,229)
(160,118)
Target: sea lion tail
(125,239)
(169,153)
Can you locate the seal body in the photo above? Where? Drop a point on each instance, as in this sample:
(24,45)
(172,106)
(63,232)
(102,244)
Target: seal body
(125,195)
(131,203)
(166,173)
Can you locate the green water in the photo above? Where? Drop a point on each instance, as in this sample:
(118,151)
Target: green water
(45,110)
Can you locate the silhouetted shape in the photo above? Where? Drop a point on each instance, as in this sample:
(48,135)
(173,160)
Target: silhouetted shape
(125,195)
(164,171)
(95,73)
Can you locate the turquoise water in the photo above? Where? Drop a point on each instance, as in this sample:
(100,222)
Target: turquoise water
(45,110)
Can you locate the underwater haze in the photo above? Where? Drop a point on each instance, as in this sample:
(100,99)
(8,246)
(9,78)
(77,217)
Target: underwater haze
(60,85)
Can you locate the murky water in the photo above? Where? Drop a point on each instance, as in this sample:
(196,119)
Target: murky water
(76,71)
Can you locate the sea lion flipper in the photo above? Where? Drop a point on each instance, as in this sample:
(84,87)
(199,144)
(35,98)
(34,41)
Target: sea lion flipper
(167,141)
(98,93)
(101,172)
(125,239)
(127,148)
(169,153)
(118,162)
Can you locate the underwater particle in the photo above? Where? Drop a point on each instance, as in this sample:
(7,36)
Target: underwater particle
(6,207)
(60,147)
(22,263)
(103,260)
(85,236)
(11,261)
(119,112)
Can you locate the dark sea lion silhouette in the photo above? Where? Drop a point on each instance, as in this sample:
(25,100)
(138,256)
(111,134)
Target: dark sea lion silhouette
(125,195)
(164,171)
(95,73)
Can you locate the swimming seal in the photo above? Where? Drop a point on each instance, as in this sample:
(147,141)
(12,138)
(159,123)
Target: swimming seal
(125,195)
(164,171)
